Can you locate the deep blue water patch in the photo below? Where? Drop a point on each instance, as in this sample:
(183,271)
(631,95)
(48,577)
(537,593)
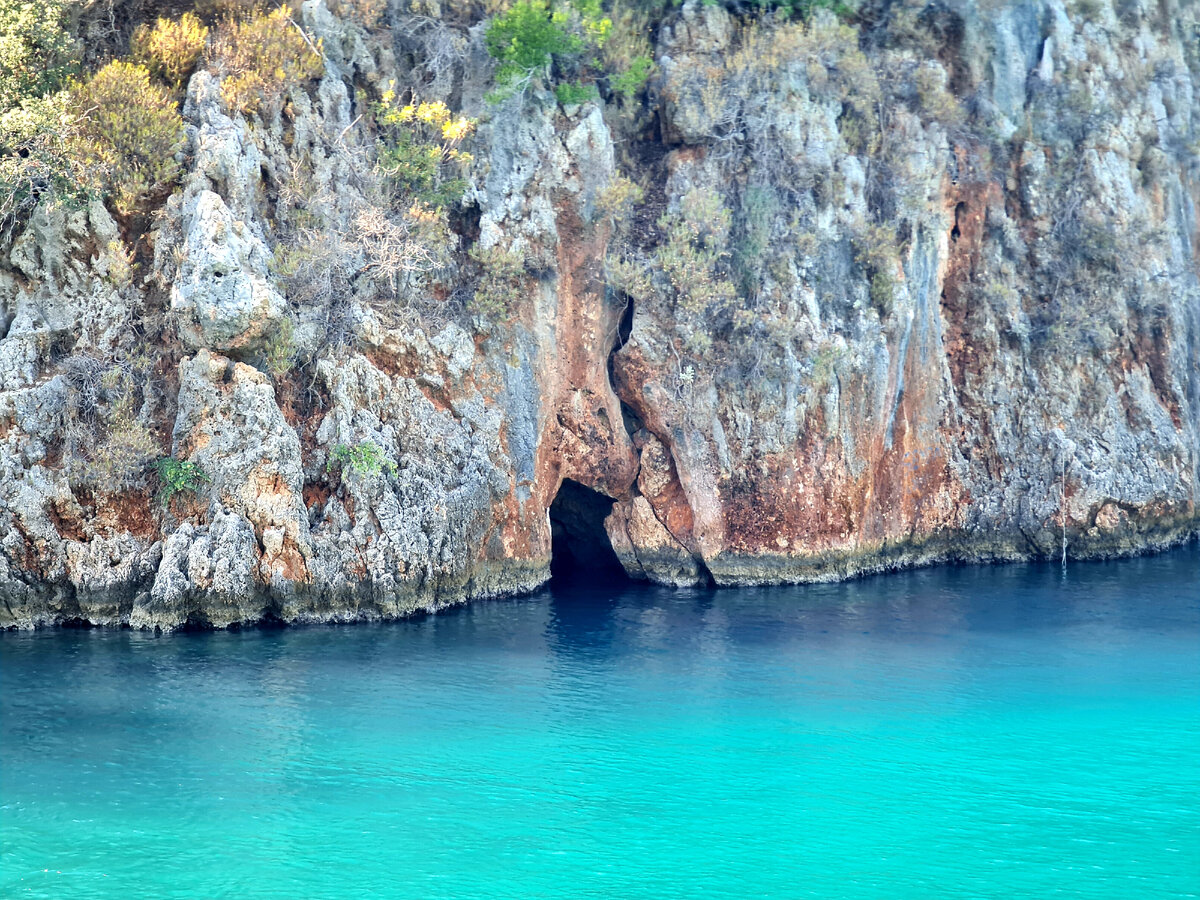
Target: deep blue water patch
(959,732)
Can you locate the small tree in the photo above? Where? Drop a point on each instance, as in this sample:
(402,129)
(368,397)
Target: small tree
(526,39)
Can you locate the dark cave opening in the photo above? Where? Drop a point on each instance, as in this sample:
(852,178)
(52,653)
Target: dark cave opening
(580,548)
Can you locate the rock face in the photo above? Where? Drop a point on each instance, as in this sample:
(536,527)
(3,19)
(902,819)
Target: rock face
(916,291)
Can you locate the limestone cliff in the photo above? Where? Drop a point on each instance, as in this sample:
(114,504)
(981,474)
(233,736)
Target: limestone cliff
(916,285)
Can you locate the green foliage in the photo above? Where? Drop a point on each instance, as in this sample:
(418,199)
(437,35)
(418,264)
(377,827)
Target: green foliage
(361,460)
(759,207)
(130,131)
(532,36)
(573,93)
(525,39)
(688,271)
(933,96)
(280,352)
(825,363)
(178,476)
(120,458)
(171,49)
(420,149)
(630,82)
(618,200)
(501,283)
(802,8)
(365,13)
(628,56)
(694,250)
(875,248)
(38,158)
(37,56)
(105,445)
(37,51)
(261,57)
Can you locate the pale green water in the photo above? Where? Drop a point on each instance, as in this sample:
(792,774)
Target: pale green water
(1000,732)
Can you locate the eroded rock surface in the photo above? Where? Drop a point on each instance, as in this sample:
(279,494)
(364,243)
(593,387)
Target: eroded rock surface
(962,323)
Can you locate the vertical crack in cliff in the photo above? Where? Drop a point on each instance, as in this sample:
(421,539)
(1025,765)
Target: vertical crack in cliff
(634,423)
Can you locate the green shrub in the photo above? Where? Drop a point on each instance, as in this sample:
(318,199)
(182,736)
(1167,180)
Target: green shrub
(525,40)
(37,51)
(688,272)
(37,56)
(627,53)
(824,364)
(120,458)
(261,57)
(420,149)
(693,253)
(39,162)
(280,352)
(759,208)
(573,93)
(877,251)
(501,282)
(362,460)
(170,49)
(805,8)
(179,476)
(532,37)
(130,130)
(366,13)
(933,96)
(634,78)
(618,200)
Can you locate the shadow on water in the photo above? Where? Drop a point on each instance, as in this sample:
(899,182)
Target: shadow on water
(591,609)
(587,580)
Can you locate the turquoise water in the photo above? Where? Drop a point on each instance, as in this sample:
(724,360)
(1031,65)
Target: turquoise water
(992,732)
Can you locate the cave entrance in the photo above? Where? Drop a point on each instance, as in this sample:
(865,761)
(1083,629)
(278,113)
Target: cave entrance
(580,548)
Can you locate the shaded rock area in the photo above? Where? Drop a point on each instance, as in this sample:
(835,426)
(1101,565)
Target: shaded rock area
(952,314)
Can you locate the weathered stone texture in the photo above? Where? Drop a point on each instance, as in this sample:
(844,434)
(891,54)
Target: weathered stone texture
(1030,375)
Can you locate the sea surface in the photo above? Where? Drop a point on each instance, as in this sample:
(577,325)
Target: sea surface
(1006,732)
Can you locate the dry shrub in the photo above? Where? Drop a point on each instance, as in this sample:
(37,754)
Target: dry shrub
(385,260)
(261,57)
(106,446)
(170,49)
(366,13)
(437,49)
